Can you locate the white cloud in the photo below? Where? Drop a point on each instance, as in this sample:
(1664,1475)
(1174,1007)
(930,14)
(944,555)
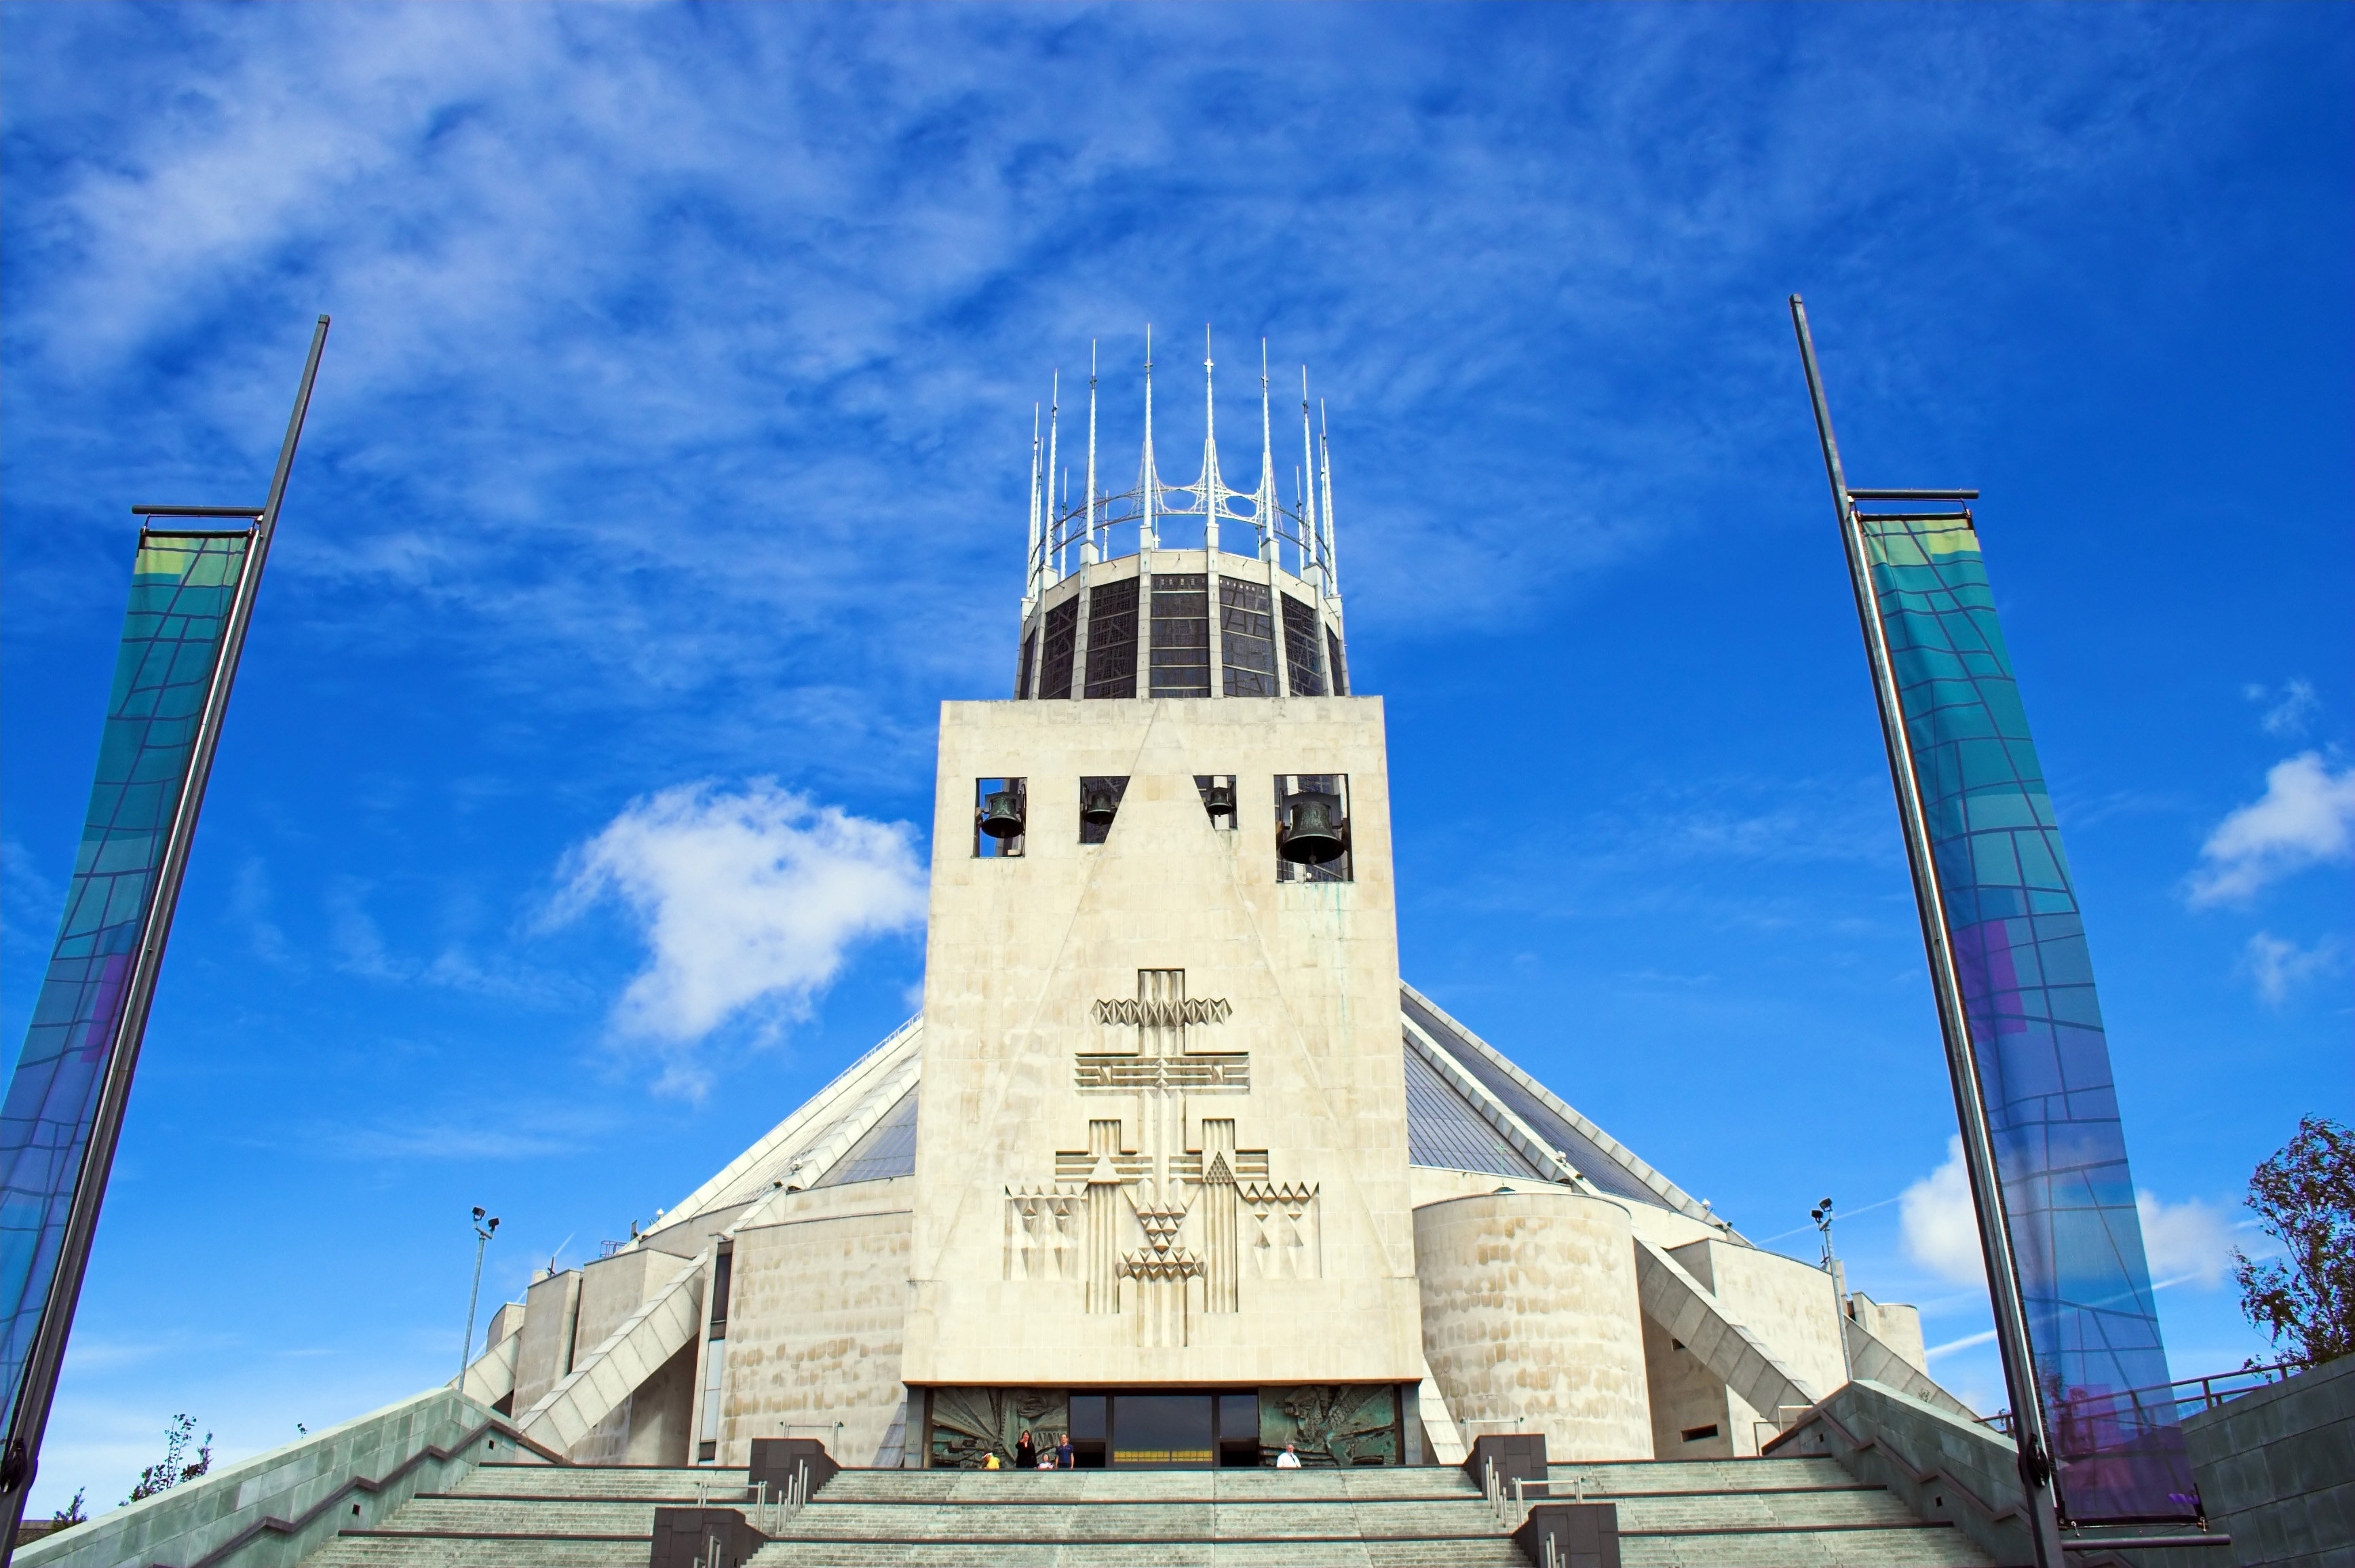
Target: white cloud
(2307,816)
(1941,1229)
(747,900)
(2187,1241)
(2287,711)
(2280,966)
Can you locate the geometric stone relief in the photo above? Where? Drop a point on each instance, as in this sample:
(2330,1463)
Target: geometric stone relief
(1159,1230)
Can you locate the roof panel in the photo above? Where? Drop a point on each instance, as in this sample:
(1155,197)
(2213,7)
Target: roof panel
(888,1149)
(1590,1159)
(1445,1133)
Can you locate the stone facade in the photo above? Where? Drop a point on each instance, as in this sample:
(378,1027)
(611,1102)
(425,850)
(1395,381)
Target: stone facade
(1172,1146)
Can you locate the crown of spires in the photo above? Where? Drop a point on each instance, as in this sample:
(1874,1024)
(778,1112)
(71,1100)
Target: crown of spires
(1064,536)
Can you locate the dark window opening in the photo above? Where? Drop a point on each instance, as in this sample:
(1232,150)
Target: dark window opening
(1246,638)
(1111,639)
(1336,663)
(1181,635)
(1001,811)
(1700,1433)
(1238,1416)
(707,1452)
(1218,792)
(1312,828)
(1063,641)
(1030,656)
(1090,1429)
(722,1267)
(1099,804)
(1302,656)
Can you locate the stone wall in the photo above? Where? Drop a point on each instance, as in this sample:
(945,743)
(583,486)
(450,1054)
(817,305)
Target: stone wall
(2276,1468)
(814,1325)
(1530,1319)
(276,1509)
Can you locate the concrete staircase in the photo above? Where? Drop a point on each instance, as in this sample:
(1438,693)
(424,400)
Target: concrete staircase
(532,1516)
(1737,1513)
(1421,1518)
(1753,1513)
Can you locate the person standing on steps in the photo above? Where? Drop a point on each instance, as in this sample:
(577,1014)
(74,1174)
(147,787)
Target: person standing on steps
(1025,1453)
(1066,1458)
(1288,1460)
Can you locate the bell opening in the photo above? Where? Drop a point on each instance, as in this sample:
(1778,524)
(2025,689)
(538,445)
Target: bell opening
(1218,793)
(1000,818)
(1100,801)
(1311,829)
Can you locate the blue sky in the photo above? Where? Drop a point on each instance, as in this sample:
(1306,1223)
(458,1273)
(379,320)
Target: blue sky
(668,466)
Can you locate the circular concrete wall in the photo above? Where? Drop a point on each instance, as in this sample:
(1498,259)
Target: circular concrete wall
(1530,1320)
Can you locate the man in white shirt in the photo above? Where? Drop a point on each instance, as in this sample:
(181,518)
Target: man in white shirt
(1288,1460)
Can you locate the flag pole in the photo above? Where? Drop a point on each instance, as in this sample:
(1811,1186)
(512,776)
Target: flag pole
(2028,1429)
(28,1422)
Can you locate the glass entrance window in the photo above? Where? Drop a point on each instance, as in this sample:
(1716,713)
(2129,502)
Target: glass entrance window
(1237,1431)
(1089,1427)
(1162,1429)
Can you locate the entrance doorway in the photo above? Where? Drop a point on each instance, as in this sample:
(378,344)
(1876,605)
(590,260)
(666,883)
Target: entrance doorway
(1162,1430)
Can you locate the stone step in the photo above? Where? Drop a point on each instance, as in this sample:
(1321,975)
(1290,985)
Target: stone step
(1139,1521)
(508,1516)
(1770,1510)
(1496,1551)
(896,1486)
(1697,1476)
(1922,1546)
(665,1482)
(382,1551)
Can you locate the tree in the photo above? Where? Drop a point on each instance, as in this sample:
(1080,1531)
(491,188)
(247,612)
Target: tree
(2304,1199)
(70,1515)
(176,1465)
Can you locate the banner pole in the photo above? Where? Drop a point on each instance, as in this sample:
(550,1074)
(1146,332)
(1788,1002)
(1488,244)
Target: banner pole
(20,1457)
(1962,1058)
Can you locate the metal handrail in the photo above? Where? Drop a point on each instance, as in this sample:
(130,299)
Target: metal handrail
(2159,1395)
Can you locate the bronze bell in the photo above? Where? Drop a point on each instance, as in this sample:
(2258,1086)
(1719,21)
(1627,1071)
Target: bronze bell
(1219,801)
(1001,814)
(1098,807)
(1312,836)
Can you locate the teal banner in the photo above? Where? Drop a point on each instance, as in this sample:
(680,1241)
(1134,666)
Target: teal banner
(2042,1055)
(182,589)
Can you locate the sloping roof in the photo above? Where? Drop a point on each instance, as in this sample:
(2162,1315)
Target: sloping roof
(1468,1108)
(1446,1131)
(888,1149)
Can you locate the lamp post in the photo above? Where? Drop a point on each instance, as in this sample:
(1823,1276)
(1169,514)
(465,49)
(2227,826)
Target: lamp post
(483,1234)
(1822,1215)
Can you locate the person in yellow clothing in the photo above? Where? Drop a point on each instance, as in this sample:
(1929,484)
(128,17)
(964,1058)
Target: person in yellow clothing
(991,1462)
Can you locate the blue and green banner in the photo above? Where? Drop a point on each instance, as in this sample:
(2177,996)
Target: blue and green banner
(2043,1060)
(183,588)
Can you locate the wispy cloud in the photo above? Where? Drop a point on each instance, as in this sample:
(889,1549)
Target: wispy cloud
(2182,1242)
(2306,817)
(2185,1243)
(1940,1227)
(748,901)
(2287,707)
(2279,966)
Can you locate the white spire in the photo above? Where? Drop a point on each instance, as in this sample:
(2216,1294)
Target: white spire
(1325,453)
(1034,563)
(1092,446)
(1148,479)
(1213,488)
(1309,513)
(1264,502)
(1054,519)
